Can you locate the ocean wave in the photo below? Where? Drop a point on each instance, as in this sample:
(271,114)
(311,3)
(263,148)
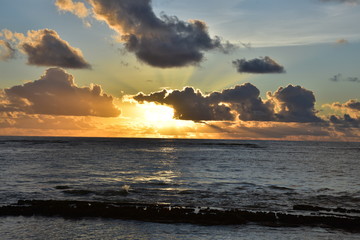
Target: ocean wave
(281,188)
(313,208)
(123,191)
(246,145)
(347,200)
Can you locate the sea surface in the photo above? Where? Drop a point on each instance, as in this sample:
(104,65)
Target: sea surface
(219,174)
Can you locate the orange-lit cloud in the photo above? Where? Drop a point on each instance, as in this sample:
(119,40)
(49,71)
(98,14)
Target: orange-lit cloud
(45,48)
(56,93)
(77,8)
(353,105)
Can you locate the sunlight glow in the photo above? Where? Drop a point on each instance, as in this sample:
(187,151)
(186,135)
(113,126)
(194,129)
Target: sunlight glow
(158,113)
(160,119)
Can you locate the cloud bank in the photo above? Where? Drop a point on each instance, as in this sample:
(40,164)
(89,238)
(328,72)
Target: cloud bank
(345,122)
(163,41)
(54,105)
(45,48)
(289,104)
(258,65)
(56,93)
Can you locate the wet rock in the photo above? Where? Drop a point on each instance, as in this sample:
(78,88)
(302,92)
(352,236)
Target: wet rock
(174,214)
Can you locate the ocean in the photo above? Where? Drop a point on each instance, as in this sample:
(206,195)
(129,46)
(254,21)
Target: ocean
(318,181)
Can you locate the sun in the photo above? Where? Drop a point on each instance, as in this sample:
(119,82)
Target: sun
(158,120)
(154,113)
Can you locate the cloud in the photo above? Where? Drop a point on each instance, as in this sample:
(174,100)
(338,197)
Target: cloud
(350,111)
(277,130)
(245,101)
(77,8)
(6,50)
(338,77)
(189,104)
(258,65)
(56,93)
(353,79)
(45,48)
(343,1)
(294,104)
(342,41)
(346,121)
(351,105)
(289,104)
(246,45)
(163,41)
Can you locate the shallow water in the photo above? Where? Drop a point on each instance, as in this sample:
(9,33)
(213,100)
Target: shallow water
(58,228)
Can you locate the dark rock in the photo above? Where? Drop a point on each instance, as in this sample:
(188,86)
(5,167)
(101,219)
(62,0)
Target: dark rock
(175,214)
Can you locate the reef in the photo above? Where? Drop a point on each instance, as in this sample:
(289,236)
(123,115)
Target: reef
(166,213)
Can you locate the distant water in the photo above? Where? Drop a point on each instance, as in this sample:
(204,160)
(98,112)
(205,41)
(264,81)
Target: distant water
(251,175)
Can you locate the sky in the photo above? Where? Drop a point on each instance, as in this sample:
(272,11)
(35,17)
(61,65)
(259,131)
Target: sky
(234,69)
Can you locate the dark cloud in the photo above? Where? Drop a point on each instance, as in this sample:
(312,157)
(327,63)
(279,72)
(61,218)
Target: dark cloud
(258,65)
(294,104)
(189,104)
(245,100)
(353,105)
(339,77)
(346,121)
(6,50)
(163,41)
(56,93)
(290,104)
(46,48)
(43,48)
